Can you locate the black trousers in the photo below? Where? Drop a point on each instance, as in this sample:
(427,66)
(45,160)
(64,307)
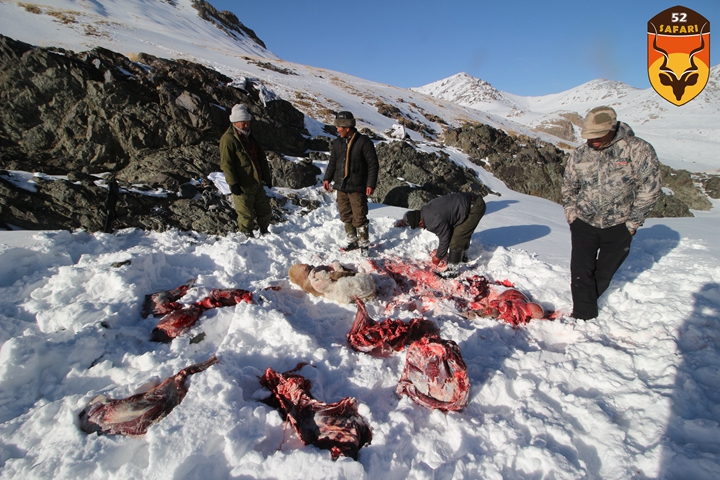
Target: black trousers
(597,253)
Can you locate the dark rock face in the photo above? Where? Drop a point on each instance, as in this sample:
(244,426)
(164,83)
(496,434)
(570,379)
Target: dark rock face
(410,178)
(152,121)
(712,186)
(536,168)
(525,165)
(293,174)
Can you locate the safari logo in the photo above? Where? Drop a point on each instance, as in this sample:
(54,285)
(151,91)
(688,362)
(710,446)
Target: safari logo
(678,54)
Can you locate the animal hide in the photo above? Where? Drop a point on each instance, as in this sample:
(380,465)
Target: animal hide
(435,375)
(367,335)
(164,302)
(337,427)
(333,282)
(135,414)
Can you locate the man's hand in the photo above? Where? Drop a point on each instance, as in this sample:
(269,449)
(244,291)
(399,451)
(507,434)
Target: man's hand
(326,185)
(369,191)
(438,262)
(235,189)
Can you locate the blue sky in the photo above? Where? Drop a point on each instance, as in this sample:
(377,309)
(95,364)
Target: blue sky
(519,46)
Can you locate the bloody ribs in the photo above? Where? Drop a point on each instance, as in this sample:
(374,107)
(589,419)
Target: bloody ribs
(337,427)
(367,335)
(435,375)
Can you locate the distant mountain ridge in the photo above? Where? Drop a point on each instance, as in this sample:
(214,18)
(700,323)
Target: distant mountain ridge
(682,135)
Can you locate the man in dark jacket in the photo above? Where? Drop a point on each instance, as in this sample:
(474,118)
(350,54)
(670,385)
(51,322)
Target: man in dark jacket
(246,169)
(353,169)
(453,218)
(610,185)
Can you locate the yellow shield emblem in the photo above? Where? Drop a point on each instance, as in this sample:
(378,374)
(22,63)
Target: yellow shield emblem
(678,54)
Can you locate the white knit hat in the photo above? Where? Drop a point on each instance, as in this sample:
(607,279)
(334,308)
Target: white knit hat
(240,114)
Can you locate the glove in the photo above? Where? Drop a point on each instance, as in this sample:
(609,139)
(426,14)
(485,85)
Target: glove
(436,261)
(326,185)
(235,189)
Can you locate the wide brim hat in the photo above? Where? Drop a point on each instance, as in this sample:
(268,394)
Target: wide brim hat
(599,122)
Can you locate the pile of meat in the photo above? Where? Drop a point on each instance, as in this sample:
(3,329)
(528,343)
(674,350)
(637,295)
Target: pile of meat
(337,427)
(509,304)
(435,375)
(178,318)
(418,288)
(135,414)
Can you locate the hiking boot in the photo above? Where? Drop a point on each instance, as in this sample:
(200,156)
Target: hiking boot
(264,231)
(351,232)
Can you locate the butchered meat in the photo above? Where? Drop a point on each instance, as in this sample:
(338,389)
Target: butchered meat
(367,335)
(180,321)
(435,375)
(135,414)
(337,427)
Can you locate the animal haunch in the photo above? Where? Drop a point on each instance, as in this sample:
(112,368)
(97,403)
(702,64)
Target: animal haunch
(337,427)
(135,414)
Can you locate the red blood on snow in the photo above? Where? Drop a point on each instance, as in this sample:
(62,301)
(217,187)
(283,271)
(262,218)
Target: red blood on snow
(135,414)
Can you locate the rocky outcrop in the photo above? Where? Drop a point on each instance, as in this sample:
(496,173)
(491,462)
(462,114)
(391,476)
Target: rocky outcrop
(151,121)
(410,178)
(536,168)
(525,165)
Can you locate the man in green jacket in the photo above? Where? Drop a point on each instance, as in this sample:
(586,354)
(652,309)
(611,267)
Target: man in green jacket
(246,169)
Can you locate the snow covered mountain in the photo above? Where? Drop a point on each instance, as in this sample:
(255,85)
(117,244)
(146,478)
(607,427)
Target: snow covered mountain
(686,137)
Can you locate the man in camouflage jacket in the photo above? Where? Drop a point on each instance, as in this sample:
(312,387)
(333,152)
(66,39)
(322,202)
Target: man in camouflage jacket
(611,185)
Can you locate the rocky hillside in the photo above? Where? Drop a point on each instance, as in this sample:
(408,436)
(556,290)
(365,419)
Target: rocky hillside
(152,126)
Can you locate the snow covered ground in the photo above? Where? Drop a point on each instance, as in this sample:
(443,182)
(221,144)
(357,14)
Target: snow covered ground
(632,394)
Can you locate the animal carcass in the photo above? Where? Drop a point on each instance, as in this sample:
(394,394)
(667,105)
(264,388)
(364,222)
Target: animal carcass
(435,375)
(333,282)
(337,427)
(135,414)
(367,335)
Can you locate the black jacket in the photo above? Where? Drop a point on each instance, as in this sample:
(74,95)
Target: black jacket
(441,215)
(354,172)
